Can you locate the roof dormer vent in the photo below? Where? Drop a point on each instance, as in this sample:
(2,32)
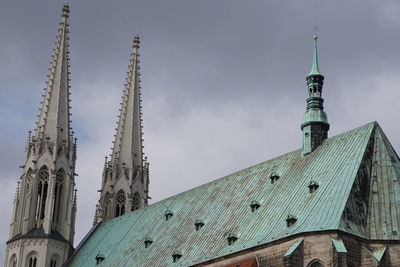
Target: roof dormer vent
(313,186)
(176,256)
(168,214)
(100,258)
(147,242)
(198,224)
(290,220)
(232,237)
(254,205)
(274,177)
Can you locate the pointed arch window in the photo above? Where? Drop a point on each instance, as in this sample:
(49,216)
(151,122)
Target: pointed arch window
(53,263)
(135,201)
(120,203)
(60,175)
(32,261)
(13,261)
(106,206)
(29,181)
(315,263)
(43,185)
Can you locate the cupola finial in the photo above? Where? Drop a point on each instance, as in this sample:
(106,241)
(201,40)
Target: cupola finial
(315,67)
(315,124)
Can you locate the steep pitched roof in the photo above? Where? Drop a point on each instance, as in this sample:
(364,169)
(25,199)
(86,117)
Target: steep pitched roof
(224,207)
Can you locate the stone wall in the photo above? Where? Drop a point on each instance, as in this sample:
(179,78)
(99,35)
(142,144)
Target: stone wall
(317,248)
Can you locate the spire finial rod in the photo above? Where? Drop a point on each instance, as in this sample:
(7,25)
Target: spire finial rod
(315,67)
(136,41)
(65,10)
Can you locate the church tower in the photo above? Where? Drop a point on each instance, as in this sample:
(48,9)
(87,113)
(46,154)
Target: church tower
(315,124)
(125,180)
(42,224)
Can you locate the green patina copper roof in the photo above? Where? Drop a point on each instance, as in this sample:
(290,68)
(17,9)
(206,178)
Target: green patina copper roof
(293,248)
(338,165)
(377,254)
(339,246)
(315,67)
(315,115)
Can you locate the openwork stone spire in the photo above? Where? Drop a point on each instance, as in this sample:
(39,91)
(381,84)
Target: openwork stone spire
(127,149)
(54,118)
(126,174)
(315,124)
(45,203)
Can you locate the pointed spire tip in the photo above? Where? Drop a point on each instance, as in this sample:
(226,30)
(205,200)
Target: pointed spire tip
(315,66)
(65,10)
(136,41)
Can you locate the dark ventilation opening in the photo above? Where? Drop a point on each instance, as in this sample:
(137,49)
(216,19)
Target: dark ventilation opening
(168,214)
(100,258)
(147,242)
(176,256)
(274,177)
(198,224)
(313,186)
(254,205)
(290,220)
(232,237)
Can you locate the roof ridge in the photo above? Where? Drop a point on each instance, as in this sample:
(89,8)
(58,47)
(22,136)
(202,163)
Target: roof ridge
(263,162)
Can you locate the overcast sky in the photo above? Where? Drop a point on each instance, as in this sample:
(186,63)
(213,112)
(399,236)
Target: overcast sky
(223,82)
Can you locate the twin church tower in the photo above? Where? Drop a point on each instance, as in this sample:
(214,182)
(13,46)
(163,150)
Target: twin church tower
(44,209)
(43,220)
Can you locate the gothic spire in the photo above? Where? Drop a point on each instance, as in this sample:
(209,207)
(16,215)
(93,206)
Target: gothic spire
(315,124)
(127,149)
(117,195)
(45,203)
(54,118)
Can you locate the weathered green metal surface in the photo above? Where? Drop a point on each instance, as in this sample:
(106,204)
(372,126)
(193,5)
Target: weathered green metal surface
(339,246)
(224,207)
(378,254)
(293,248)
(315,115)
(315,67)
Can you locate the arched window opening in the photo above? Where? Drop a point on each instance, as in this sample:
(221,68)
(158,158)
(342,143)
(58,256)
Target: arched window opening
(120,203)
(32,261)
(53,263)
(13,261)
(135,201)
(29,181)
(42,193)
(316,263)
(58,195)
(106,206)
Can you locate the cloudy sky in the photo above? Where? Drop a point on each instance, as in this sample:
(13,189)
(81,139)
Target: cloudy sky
(223,82)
